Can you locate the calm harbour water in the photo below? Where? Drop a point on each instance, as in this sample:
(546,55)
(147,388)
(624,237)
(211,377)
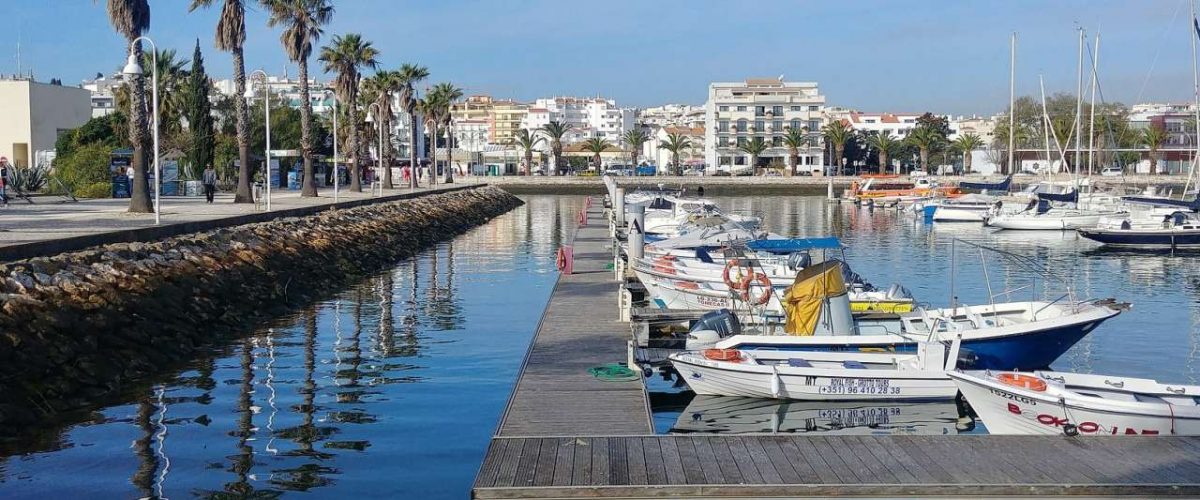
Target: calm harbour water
(393,386)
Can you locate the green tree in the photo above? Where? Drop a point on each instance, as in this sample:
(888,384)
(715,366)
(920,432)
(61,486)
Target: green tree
(676,143)
(408,76)
(85,168)
(754,147)
(131,18)
(926,140)
(302,22)
(430,107)
(836,132)
(635,138)
(199,115)
(449,94)
(554,132)
(965,144)
(346,55)
(377,92)
(795,139)
(596,145)
(1153,137)
(231,37)
(526,141)
(937,123)
(885,146)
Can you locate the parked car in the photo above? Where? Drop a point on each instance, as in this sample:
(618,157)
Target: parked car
(1111,171)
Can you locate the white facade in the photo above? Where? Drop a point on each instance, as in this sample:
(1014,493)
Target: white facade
(736,112)
(103,91)
(588,117)
(472,135)
(653,154)
(320,95)
(672,115)
(34,116)
(897,124)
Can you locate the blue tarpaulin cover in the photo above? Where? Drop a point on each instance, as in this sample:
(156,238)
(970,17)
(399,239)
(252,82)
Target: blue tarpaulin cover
(793,244)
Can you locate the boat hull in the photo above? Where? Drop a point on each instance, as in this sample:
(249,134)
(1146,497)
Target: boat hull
(1143,238)
(952,214)
(1044,223)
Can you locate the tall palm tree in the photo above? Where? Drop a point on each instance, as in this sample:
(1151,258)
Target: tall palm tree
(131,18)
(635,138)
(554,132)
(377,93)
(172,91)
(754,147)
(965,144)
(1153,137)
(794,140)
(407,78)
(596,145)
(302,21)
(837,133)
(926,140)
(526,141)
(676,143)
(449,95)
(345,55)
(231,37)
(886,145)
(431,108)
(1021,135)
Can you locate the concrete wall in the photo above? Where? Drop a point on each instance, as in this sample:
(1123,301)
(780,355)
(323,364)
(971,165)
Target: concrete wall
(14,124)
(33,115)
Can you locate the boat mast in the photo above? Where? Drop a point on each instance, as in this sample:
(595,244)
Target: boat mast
(1195,102)
(1079,108)
(1046,128)
(1092,120)
(1012,97)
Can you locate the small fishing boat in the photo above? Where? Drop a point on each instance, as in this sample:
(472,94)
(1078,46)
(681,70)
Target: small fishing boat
(736,415)
(819,376)
(1153,223)
(888,189)
(1048,403)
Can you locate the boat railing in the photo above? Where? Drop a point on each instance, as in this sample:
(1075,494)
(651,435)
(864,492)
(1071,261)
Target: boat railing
(1038,272)
(1048,304)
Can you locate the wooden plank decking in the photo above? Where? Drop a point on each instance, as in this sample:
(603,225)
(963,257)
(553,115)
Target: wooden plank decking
(554,394)
(797,465)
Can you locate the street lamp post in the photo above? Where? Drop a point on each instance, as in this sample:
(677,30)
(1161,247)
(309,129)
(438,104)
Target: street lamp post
(267,106)
(379,161)
(133,68)
(336,174)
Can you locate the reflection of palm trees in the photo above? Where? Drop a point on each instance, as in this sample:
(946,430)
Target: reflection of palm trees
(387,324)
(353,388)
(309,475)
(442,309)
(143,478)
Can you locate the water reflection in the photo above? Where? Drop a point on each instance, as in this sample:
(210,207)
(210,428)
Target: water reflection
(726,415)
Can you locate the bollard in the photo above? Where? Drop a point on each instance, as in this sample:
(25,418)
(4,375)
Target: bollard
(619,207)
(637,234)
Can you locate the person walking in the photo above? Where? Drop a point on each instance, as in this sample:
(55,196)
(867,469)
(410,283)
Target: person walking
(210,182)
(5,177)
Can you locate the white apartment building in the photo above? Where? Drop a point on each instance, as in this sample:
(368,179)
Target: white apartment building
(320,95)
(103,90)
(897,124)
(588,117)
(672,115)
(736,112)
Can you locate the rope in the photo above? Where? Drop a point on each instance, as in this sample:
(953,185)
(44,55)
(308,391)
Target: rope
(614,372)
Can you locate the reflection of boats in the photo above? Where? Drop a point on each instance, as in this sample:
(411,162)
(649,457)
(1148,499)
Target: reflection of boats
(733,415)
(1071,403)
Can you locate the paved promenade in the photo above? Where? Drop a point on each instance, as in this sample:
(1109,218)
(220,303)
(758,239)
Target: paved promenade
(52,218)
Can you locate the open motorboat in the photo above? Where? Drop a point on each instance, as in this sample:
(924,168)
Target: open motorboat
(1046,402)
(669,214)
(966,208)
(819,376)
(889,189)
(736,415)
(1013,335)
(1152,223)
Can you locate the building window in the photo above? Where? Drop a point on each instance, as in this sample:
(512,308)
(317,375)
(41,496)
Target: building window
(739,160)
(797,124)
(741,126)
(722,141)
(760,110)
(777,141)
(777,125)
(814,108)
(816,125)
(797,108)
(723,126)
(741,108)
(759,125)
(777,110)
(723,108)
(741,141)
(724,160)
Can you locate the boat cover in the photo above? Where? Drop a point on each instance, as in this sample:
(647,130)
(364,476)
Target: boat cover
(988,186)
(803,300)
(1193,205)
(1070,197)
(789,245)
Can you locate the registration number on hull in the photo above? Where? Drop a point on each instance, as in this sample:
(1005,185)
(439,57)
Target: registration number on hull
(864,386)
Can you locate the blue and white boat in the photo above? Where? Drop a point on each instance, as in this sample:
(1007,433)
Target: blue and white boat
(1152,223)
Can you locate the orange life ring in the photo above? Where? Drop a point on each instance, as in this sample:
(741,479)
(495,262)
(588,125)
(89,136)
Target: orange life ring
(561,259)
(723,354)
(763,282)
(1023,381)
(743,280)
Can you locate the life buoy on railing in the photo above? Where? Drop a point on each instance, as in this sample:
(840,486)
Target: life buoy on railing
(743,279)
(1023,381)
(723,354)
(560,260)
(764,283)
(583,217)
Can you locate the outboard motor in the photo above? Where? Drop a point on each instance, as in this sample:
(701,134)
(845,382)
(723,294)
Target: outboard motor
(712,327)
(799,260)
(896,291)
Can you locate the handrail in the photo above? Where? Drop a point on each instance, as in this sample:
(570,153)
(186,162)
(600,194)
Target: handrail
(1048,304)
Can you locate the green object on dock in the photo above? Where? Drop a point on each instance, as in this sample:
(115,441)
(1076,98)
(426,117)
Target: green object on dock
(614,372)
(608,266)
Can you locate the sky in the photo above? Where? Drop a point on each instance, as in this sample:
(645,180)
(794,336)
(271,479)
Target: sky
(946,56)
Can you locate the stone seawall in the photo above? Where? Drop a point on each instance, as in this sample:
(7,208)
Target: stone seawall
(78,327)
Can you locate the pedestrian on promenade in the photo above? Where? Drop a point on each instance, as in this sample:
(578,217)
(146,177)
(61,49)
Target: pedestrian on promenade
(5,178)
(210,182)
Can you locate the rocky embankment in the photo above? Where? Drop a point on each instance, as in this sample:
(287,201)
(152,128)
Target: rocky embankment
(77,327)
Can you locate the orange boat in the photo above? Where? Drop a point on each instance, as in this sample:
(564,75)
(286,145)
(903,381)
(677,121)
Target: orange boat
(888,188)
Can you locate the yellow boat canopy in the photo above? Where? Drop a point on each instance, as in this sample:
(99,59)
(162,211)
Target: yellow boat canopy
(803,300)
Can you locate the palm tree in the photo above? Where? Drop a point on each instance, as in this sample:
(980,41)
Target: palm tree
(754,147)
(407,78)
(431,107)
(794,139)
(676,143)
(231,37)
(837,133)
(302,21)
(555,131)
(1153,137)
(526,141)
(635,138)
(449,95)
(596,145)
(172,93)
(131,18)
(377,93)
(1000,143)
(965,144)
(925,139)
(345,56)
(886,145)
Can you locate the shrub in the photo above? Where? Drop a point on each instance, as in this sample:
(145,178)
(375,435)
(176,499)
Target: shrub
(84,167)
(29,179)
(94,190)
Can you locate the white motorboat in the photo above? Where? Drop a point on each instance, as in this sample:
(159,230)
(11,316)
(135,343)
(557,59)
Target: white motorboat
(1152,223)
(1053,219)
(668,214)
(819,376)
(965,208)
(734,415)
(1048,403)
